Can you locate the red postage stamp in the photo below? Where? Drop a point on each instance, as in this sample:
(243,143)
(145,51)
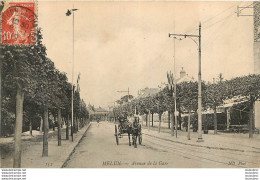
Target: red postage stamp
(19,24)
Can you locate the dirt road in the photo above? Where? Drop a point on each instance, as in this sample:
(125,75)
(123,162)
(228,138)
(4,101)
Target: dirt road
(99,150)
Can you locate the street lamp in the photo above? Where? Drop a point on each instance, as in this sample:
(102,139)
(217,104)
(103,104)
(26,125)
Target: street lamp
(199,78)
(68,13)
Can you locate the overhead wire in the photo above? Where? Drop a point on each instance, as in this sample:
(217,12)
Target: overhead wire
(195,28)
(245,7)
(222,21)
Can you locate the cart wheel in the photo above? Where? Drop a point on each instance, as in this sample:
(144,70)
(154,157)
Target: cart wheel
(117,142)
(140,138)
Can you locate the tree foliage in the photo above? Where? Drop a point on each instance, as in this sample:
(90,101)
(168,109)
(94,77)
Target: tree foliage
(42,84)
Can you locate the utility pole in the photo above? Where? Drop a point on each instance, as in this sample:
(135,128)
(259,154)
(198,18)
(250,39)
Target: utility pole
(252,6)
(72,91)
(69,12)
(240,9)
(124,92)
(171,84)
(175,92)
(199,78)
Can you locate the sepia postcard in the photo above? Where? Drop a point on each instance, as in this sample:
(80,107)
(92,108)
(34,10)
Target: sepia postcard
(120,84)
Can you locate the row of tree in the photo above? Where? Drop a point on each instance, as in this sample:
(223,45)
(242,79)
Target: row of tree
(213,95)
(32,89)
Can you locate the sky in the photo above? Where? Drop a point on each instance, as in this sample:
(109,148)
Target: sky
(126,44)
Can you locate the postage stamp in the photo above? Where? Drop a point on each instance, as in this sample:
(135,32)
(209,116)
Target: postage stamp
(19,22)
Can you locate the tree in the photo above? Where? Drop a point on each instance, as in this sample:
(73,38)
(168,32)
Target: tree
(188,98)
(19,77)
(245,86)
(60,98)
(124,99)
(67,106)
(145,105)
(215,96)
(161,105)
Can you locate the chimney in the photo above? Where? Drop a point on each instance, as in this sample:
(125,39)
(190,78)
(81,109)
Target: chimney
(182,73)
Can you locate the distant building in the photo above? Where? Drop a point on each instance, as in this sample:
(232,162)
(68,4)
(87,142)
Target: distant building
(97,113)
(184,77)
(147,92)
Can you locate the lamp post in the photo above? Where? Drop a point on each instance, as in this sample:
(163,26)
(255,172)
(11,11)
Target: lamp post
(175,91)
(68,13)
(199,78)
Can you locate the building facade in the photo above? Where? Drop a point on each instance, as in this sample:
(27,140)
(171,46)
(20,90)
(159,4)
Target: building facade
(257,56)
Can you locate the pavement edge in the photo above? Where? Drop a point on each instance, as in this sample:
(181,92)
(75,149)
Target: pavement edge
(68,158)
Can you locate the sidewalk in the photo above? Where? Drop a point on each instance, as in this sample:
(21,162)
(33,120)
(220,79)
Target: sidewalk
(222,141)
(32,150)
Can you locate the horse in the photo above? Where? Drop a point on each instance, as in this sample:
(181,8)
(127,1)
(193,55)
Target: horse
(134,128)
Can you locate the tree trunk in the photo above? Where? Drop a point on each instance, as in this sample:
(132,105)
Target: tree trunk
(41,125)
(71,129)
(189,126)
(75,124)
(152,119)
(228,118)
(172,124)
(62,122)
(78,123)
(18,127)
(45,132)
(146,118)
(179,119)
(215,121)
(59,127)
(53,124)
(30,126)
(169,119)
(81,122)
(67,128)
(251,117)
(160,120)
(149,119)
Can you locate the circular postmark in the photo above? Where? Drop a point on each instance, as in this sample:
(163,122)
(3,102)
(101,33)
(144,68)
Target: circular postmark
(19,23)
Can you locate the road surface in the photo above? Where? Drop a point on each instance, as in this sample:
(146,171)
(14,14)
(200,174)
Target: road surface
(98,149)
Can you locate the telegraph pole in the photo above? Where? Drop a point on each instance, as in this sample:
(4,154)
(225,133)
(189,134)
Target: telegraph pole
(171,83)
(240,9)
(69,12)
(72,91)
(199,78)
(175,92)
(124,92)
(199,91)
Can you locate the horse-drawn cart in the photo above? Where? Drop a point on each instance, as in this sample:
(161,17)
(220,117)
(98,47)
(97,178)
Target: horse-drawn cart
(126,128)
